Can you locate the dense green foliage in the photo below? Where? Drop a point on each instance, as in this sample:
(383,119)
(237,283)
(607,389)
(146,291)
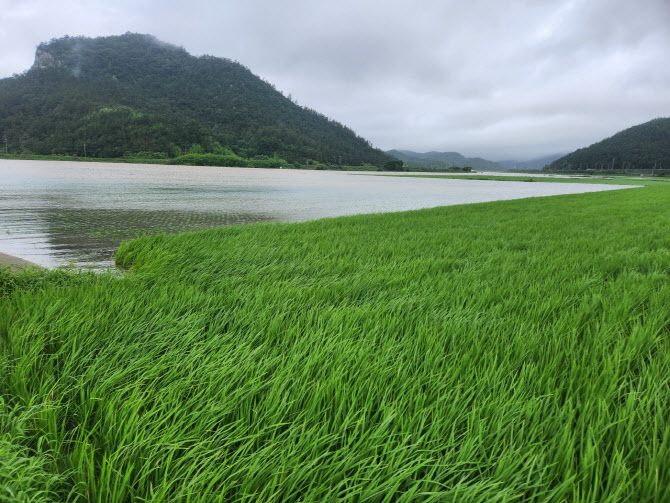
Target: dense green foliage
(393,165)
(229,160)
(107,97)
(509,351)
(646,146)
(443,160)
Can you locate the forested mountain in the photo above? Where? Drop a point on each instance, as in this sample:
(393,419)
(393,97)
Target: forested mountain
(110,96)
(646,146)
(438,160)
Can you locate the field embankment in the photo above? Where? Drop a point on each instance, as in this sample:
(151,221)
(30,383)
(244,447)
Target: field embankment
(14,262)
(595,179)
(508,351)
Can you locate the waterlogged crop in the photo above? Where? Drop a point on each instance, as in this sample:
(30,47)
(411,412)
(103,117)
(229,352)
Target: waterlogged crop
(508,351)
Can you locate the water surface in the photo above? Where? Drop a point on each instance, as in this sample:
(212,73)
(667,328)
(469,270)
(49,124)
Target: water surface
(57,213)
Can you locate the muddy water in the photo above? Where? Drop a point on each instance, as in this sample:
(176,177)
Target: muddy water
(57,213)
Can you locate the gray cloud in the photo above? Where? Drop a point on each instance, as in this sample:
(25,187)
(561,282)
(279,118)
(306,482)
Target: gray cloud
(488,78)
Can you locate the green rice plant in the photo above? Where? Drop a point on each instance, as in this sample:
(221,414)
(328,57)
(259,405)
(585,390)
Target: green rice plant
(28,472)
(507,351)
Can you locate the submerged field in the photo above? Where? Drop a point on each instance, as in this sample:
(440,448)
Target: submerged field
(508,351)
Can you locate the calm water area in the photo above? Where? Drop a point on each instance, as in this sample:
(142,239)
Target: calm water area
(57,213)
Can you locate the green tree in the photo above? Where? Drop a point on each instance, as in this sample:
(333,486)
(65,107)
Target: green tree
(393,165)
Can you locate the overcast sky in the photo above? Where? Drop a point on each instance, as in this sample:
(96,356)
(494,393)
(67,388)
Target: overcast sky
(494,78)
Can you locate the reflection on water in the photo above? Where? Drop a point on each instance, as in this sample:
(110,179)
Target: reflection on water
(55,213)
(85,236)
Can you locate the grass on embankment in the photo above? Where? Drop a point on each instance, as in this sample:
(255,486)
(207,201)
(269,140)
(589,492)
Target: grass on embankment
(613,180)
(507,351)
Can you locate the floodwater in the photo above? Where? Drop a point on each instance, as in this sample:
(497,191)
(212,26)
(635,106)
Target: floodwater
(57,213)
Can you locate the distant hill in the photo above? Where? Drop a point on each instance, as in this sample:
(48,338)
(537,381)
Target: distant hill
(640,147)
(416,162)
(133,93)
(536,163)
(437,160)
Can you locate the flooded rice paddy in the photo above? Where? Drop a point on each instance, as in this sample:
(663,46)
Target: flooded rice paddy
(57,213)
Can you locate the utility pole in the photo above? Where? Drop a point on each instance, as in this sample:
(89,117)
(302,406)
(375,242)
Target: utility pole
(84,149)
(5,138)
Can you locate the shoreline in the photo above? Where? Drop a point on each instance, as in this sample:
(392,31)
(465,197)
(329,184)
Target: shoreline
(166,162)
(16,263)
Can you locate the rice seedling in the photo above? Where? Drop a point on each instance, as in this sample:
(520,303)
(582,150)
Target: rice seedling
(507,351)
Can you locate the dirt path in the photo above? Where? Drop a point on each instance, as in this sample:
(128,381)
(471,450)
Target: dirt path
(15,262)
